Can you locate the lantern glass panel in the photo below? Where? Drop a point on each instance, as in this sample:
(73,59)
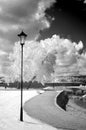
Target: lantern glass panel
(22,39)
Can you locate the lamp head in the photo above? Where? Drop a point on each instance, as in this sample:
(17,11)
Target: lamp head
(22,37)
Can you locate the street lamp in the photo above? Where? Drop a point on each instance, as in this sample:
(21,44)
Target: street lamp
(22,37)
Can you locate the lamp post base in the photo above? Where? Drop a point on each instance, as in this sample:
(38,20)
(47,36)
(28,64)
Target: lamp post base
(21,114)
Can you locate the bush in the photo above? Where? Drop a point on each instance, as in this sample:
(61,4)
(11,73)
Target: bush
(62,99)
(79,92)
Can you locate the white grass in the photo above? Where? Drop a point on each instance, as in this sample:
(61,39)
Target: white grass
(10,112)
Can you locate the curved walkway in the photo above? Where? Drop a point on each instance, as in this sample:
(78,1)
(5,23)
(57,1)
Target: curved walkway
(44,108)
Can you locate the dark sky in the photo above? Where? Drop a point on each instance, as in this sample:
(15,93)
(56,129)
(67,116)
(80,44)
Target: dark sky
(70,20)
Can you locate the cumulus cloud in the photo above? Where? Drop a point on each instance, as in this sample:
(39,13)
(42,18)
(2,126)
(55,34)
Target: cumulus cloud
(16,15)
(79,46)
(48,59)
(28,14)
(84,1)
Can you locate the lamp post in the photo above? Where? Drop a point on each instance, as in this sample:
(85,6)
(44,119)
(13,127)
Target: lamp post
(22,37)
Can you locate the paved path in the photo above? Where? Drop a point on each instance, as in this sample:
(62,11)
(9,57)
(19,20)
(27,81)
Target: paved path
(43,107)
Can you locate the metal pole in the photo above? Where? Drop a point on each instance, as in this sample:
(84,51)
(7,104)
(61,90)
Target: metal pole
(21,108)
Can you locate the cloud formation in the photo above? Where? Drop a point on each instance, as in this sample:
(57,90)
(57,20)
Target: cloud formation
(16,15)
(28,15)
(45,59)
(48,59)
